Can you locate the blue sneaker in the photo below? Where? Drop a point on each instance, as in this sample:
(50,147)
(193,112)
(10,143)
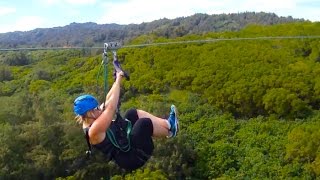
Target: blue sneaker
(174,122)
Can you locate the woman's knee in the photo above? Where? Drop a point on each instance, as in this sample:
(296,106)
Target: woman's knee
(132,115)
(144,126)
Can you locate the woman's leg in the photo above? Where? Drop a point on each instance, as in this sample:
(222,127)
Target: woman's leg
(160,126)
(142,132)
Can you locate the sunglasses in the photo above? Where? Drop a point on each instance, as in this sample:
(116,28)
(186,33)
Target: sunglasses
(97,108)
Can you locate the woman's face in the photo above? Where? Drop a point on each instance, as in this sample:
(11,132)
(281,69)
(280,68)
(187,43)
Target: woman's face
(96,112)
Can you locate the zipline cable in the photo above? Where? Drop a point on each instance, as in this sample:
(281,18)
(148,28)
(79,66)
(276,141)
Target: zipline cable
(168,43)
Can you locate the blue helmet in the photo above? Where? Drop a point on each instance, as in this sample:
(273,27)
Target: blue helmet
(84,103)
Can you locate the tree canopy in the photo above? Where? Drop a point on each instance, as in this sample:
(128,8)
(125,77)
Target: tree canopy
(249,109)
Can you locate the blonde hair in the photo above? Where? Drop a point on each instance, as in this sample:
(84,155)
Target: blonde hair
(82,118)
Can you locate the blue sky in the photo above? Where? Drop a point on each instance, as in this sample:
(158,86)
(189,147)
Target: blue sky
(25,15)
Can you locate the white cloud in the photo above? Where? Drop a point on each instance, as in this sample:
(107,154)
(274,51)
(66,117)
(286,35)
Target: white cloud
(270,5)
(25,23)
(233,6)
(310,13)
(80,2)
(50,2)
(4,29)
(70,2)
(285,8)
(30,22)
(6,10)
(138,11)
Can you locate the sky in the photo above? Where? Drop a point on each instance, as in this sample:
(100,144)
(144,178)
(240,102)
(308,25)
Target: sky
(25,15)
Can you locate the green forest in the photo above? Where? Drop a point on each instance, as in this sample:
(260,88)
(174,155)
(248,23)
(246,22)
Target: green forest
(248,109)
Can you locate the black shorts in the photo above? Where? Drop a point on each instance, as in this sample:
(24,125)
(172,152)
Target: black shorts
(141,142)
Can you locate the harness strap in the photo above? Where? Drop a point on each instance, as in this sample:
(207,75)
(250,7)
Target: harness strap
(114,141)
(89,151)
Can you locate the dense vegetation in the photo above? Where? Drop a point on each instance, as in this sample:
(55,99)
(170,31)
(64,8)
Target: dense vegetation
(248,109)
(92,34)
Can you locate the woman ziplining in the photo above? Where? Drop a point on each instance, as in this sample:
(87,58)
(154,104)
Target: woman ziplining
(126,141)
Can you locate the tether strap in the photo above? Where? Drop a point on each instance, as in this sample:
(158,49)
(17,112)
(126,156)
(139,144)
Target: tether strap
(117,67)
(104,65)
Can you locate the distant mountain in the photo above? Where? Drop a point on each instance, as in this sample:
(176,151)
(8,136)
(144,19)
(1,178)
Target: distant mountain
(90,34)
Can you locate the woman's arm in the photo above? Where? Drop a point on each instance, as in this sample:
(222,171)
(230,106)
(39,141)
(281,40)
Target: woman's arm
(100,125)
(110,92)
(105,104)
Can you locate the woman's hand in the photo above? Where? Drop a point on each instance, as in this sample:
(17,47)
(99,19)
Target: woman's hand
(120,74)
